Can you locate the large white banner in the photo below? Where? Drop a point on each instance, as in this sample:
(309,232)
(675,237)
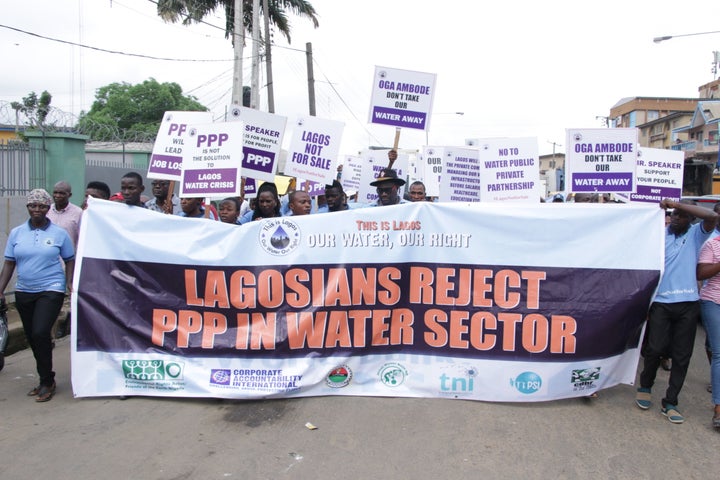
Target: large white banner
(500,302)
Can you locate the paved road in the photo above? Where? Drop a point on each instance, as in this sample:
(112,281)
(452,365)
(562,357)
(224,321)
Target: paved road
(357,438)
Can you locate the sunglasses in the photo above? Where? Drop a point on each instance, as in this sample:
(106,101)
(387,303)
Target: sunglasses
(381,190)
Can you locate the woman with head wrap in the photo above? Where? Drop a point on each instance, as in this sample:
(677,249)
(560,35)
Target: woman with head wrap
(36,248)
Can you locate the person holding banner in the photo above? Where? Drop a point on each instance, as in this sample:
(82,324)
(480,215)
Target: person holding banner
(336,199)
(708,268)
(229,210)
(131,189)
(38,248)
(193,208)
(299,202)
(387,185)
(675,310)
(416,192)
(267,204)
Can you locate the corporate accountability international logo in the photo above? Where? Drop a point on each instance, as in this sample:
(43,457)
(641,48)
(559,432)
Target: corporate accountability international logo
(220,376)
(279,236)
(527,383)
(152,370)
(339,377)
(392,374)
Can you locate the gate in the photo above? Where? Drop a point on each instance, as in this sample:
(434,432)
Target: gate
(22,168)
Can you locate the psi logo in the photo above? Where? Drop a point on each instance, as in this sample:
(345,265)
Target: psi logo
(527,383)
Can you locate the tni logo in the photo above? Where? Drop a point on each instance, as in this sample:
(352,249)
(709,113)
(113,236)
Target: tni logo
(456,384)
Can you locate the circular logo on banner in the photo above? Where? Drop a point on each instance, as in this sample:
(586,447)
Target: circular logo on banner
(279,236)
(527,382)
(339,377)
(392,374)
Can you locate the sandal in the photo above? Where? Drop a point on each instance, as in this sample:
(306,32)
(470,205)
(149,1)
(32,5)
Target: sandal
(716,421)
(34,392)
(46,393)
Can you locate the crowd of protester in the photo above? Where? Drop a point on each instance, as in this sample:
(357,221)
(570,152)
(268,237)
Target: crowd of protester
(692,254)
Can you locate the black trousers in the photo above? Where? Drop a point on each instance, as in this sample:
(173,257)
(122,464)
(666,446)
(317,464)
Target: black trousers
(671,330)
(38,312)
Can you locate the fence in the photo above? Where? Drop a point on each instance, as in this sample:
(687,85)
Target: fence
(22,168)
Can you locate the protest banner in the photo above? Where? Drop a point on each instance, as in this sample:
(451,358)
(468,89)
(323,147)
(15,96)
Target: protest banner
(416,300)
(402,98)
(659,175)
(601,160)
(166,157)
(211,160)
(262,141)
(460,179)
(314,149)
(373,162)
(509,170)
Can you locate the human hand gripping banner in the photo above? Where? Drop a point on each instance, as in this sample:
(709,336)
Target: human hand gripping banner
(473,301)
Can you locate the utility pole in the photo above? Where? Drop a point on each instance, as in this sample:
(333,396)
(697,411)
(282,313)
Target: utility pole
(311,78)
(238,35)
(255,72)
(268,60)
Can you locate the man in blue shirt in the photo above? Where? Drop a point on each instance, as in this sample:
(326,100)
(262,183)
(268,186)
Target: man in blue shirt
(675,310)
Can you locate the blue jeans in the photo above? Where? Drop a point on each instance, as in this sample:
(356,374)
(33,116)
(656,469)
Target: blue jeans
(711,321)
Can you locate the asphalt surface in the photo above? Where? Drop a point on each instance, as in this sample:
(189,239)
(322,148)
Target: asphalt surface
(356,438)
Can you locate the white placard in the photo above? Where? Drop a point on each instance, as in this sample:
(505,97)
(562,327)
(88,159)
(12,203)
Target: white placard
(509,170)
(314,149)
(402,98)
(601,159)
(262,141)
(167,154)
(211,160)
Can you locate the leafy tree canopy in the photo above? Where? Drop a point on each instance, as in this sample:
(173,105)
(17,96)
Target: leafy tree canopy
(35,108)
(122,107)
(190,11)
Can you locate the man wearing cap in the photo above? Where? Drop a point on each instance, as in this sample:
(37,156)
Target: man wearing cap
(387,185)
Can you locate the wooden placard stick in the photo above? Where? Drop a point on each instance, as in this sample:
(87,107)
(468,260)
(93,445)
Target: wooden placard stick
(392,159)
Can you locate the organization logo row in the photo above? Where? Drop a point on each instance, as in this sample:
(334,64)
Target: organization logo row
(458,380)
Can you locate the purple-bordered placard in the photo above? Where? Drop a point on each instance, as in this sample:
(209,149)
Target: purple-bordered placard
(399,118)
(602,182)
(258,160)
(655,194)
(210,182)
(166,165)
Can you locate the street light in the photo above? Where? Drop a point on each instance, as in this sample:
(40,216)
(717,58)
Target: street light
(668,37)
(427,141)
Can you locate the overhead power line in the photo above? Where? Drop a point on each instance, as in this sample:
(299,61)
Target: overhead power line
(112,51)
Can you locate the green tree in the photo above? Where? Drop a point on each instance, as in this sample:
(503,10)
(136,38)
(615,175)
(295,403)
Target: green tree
(35,108)
(195,10)
(131,110)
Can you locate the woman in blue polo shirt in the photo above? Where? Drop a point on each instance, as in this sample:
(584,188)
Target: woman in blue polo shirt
(36,248)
